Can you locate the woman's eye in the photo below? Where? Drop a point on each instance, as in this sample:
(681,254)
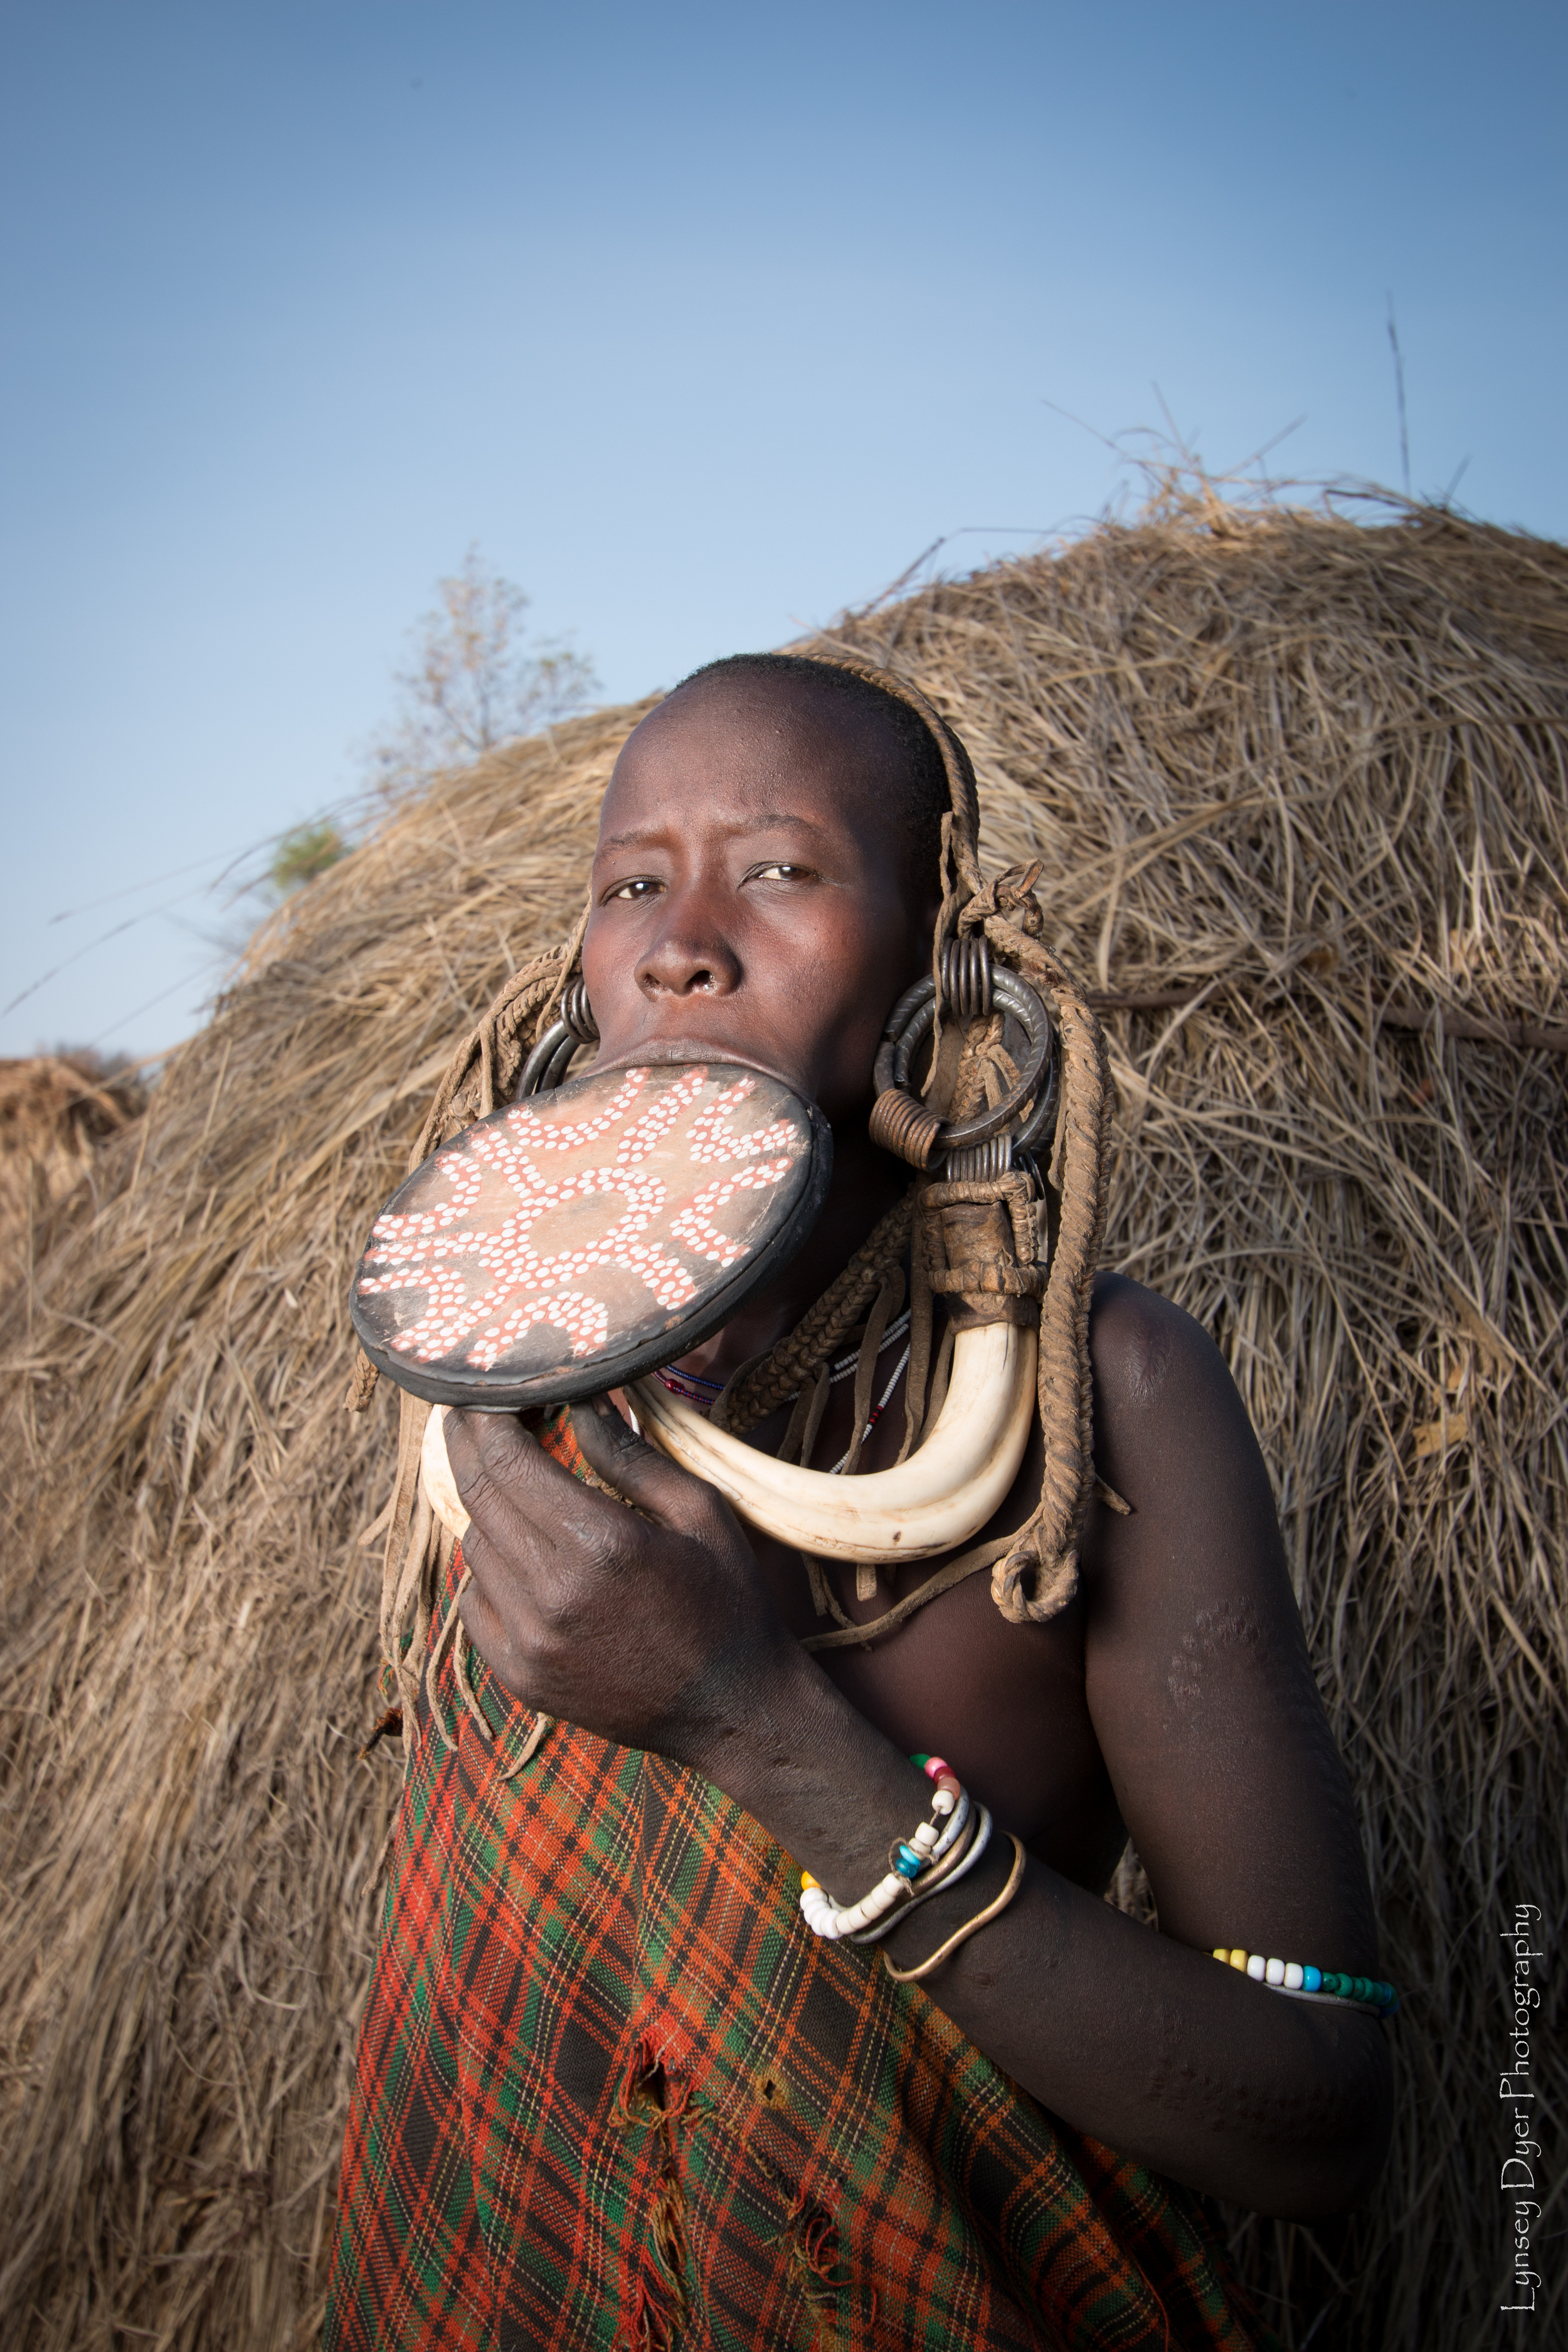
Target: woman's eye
(778,871)
(642,886)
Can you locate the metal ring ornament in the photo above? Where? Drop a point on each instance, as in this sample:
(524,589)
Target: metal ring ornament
(980,1163)
(578,1013)
(966,969)
(903,1125)
(551,1059)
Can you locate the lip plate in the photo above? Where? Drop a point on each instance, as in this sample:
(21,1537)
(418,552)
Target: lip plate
(501,1389)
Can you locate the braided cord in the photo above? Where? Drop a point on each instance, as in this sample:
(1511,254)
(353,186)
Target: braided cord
(1047,1546)
(760,1386)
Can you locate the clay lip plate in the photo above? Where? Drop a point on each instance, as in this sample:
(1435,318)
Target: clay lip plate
(588,1235)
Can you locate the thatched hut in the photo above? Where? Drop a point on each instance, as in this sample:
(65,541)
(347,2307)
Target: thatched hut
(1300,789)
(56,1110)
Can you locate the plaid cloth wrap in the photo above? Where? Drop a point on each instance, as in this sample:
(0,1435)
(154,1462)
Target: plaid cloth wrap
(611,2092)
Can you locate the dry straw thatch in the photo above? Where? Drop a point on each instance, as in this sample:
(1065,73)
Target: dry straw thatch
(57,1111)
(1299,786)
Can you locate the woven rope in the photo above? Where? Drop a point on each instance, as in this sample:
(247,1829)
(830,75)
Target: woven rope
(1047,1547)
(761,1386)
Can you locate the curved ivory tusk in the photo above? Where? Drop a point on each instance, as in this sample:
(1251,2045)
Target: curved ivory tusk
(937,1499)
(435,1476)
(941,1497)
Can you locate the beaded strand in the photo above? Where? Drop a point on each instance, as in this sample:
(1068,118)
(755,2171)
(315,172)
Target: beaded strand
(1304,1982)
(939,1851)
(944,1872)
(944,1848)
(877,1410)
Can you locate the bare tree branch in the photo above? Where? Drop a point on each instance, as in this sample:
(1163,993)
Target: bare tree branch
(473,683)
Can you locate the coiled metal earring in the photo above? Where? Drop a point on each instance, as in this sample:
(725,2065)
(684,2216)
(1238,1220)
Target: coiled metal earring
(984,1145)
(552,1057)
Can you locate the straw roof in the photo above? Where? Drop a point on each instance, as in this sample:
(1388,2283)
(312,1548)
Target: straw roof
(56,1110)
(1298,785)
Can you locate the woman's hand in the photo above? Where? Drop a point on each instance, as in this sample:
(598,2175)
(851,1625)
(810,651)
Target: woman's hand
(652,1627)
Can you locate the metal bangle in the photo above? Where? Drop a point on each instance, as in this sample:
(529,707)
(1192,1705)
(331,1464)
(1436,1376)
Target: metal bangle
(969,1927)
(911,1022)
(551,1059)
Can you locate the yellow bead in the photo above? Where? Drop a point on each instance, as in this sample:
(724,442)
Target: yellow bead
(1222,1954)
(1238,1959)
(807,1879)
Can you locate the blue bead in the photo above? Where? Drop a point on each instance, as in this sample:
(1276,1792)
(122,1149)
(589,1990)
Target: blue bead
(1311,1980)
(906,1863)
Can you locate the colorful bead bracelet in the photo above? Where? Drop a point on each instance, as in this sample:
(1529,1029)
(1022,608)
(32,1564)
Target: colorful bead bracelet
(942,1850)
(945,1871)
(1307,1984)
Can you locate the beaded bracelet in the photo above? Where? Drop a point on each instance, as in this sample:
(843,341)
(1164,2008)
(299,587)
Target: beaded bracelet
(992,1910)
(917,1858)
(1306,1983)
(947,1872)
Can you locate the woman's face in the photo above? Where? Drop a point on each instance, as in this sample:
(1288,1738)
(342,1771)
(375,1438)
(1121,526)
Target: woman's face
(751,895)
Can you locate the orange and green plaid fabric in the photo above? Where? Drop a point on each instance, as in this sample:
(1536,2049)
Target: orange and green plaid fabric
(612,2093)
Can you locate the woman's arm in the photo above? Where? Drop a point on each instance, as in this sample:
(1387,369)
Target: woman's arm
(658,1630)
(1208,1715)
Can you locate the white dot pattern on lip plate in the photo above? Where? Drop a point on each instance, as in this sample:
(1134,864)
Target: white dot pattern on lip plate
(488,1288)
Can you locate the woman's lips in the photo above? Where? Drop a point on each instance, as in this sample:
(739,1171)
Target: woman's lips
(664,1050)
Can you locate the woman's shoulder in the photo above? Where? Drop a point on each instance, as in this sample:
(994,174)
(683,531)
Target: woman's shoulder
(1143,1346)
(1163,1403)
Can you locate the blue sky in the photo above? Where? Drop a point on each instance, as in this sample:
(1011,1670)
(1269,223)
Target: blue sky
(702,322)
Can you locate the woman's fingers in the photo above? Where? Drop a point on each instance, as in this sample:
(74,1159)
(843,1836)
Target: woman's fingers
(516,1494)
(614,1617)
(669,1494)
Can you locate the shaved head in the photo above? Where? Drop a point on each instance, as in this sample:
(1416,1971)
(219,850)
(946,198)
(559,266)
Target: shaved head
(896,744)
(765,882)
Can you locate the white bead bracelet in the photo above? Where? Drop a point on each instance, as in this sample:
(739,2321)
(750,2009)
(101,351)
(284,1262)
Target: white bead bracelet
(1304,1982)
(936,1852)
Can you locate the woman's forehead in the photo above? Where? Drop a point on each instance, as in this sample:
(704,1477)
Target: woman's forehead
(754,749)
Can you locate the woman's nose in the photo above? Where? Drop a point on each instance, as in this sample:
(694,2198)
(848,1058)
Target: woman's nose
(690,958)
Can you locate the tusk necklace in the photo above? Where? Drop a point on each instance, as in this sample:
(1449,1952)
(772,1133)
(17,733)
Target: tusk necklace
(934,1501)
(938,1498)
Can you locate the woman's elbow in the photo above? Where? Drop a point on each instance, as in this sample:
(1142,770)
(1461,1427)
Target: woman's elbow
(1338,2167)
